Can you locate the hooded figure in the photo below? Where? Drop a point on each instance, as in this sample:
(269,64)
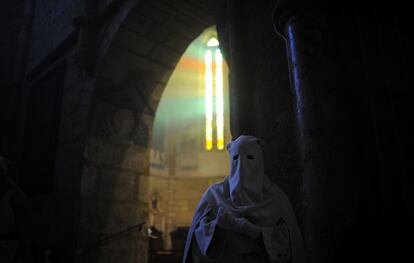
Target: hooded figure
(245,218)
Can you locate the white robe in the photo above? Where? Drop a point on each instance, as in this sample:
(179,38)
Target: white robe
(248,193)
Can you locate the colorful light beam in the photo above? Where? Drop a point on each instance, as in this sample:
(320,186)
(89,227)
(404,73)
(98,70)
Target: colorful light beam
(219,100)
(209,99)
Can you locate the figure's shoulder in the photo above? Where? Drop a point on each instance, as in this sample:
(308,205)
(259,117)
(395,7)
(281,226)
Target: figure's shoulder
(217,187)
(211,194)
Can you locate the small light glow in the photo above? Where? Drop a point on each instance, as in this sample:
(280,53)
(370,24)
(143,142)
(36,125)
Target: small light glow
(209,99)
(213,42)
(219,100)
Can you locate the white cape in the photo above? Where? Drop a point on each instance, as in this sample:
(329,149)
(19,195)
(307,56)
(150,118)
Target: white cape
(246,192)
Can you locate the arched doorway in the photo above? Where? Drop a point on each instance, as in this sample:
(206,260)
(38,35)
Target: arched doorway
(187,150)
(135,69)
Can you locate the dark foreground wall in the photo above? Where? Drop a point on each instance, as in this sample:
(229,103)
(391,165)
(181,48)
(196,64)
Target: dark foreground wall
(339,131)
(379,106)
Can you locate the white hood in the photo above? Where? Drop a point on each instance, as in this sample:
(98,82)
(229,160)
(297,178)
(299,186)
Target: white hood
(246,178)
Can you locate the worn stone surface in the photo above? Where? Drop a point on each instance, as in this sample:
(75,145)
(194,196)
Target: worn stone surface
(131,83)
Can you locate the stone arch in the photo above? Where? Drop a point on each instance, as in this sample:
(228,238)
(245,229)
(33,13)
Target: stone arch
(142,45)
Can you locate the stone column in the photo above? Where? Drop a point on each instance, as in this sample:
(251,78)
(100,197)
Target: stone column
(319,112)
(241,76)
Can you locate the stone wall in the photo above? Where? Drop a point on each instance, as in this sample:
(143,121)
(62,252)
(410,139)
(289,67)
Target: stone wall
(131,79)
(51,25)
(114,192)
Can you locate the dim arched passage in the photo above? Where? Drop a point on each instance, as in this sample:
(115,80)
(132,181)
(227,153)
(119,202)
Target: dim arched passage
(187,152)
(139,51)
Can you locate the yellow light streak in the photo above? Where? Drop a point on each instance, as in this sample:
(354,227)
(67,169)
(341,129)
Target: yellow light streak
(209,99)
(219,100)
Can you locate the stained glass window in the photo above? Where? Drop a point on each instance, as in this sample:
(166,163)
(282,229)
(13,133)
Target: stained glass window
(214,101)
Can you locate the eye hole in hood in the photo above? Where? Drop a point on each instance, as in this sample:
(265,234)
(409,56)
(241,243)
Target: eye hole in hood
(251,157)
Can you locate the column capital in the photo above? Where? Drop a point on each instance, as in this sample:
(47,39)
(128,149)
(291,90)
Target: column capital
(288,10)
